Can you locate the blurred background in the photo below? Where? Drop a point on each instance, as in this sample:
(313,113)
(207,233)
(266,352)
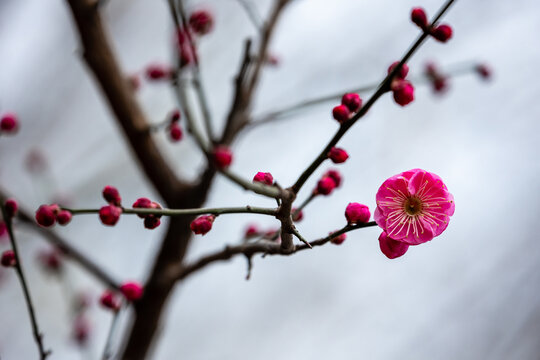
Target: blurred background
(472,293)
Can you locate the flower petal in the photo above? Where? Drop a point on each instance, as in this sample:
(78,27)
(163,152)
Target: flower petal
(392,248)
(392,194)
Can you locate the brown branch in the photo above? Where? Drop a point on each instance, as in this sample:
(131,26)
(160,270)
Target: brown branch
(99,57)
(38,337)
(262,247)
(383,88)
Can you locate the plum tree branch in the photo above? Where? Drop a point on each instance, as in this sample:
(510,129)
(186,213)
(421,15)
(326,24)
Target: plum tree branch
(183,212)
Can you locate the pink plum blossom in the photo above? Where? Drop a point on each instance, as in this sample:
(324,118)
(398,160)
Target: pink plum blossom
(413,207)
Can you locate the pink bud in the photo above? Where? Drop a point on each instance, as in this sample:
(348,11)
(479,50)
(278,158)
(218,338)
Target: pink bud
(142,203)
(272,59)
(264,177)
(338,155)
(402,73)
(175,132)
(299,216)
(110,214)
(81,330)
(51,259)
(442,33)
(45,215)
(202,224)
(11,207)
(484,71)
(109,300)
(9,123)
(132,291)
(251,231)
(111,195)
(419,17)
(325,186)
(175,115)
(335,175)
(158,72)
(63,217)
(352,101)
(339,239)
(222,157)
(151,222)
(341,113)
(403,93)
(8,259)
(357,213)
(201,22)
(391,248)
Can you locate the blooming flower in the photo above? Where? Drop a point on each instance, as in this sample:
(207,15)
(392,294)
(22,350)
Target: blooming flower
(413,207)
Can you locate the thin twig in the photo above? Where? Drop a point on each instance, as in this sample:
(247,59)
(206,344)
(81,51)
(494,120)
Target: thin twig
(261,247)
(300,237)
(183,212)
(108,350)
(38,337)
(383,87)
(258,188)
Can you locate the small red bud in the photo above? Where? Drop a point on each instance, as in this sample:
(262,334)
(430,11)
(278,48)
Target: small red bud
(403,93)
(11,207)
(175,132)
(251,231)
(109,300)
(325,186)
(142,203)
(81,330)
(151,222)
(402,73)
(202,224)
(419,17)
(352,101)
(9,123)
(51,260)
(484,71)
(356,213)
(341,113)
(442,33)
(110,214)
(338,155)
(201,22)
(175,115)
(63,217)
(111,195)
(132,291)
(339,239)
(264,177)
(45,215)
(8,259)
(222,157)
(335,175)
(158,72)
(299,216)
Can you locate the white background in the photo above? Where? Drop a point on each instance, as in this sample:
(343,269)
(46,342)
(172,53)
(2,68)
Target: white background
(471,293)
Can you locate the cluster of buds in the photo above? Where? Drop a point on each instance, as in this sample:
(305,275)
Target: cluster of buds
(402,89)
(175,132)
(110,214)
(328,182)
(350,104)
(8,259)
(439,82)
(441,33)
(222,157)
(264,178)
(202,224)
(109,300)
(48,215)
(151,221)
(9,123)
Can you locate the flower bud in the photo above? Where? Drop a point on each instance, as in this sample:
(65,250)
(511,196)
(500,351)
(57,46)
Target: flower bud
(402,73)
(175,115)
(419,17)
(151,222)
(132,291)
(357,213)
(352,101)
(63,217)
(201,22)
(251,231)
(338,155)
(9,123)
(264,177)
(8,259)
(109,300)
(51,260)
(341,113)
(484,71)
(202,224)
(175,132)
(325,186)
(335,175)
(297,216)
(111,195)
(339,239)
(110,214)
(222,157)
(11,207)
(158,72)
(45,215)
(403,93)
(442,33)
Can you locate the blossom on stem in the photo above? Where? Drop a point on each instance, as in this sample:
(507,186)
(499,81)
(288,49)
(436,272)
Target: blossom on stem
(392,248)
(201,22)
(352,101)
(413,207)
(339,239)
(132,290)
(63,217)
(109,300)
(110,214)
(175,132)
(11,207)
(222,157)
(202,224)
(264,177)
(111,195)
(341,113)
(9,123)
(403,92)
(442,33)
(46,215)
(402,73)
(338,155)
(356,213)
(419,17)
